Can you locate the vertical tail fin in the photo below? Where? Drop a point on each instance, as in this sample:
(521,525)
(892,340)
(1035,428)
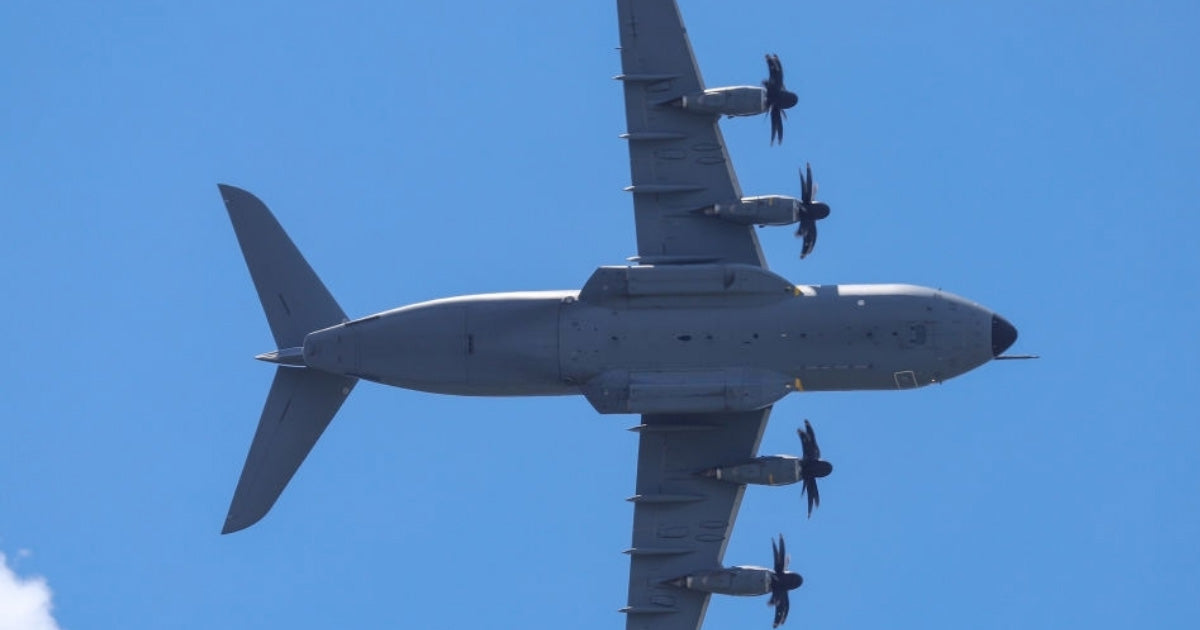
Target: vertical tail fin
(302,400)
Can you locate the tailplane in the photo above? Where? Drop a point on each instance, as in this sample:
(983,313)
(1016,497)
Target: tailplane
(294,299)
(300,405)
(302,400)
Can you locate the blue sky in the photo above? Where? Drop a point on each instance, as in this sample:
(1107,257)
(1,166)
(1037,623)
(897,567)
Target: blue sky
(1040,158)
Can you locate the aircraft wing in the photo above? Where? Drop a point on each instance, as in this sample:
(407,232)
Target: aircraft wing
(678,159)
(681,521)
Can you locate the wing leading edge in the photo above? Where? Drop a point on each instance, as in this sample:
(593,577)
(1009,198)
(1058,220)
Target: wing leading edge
(678,160)
(682,521)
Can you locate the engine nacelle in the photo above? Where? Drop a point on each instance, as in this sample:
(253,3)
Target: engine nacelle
(765,210)
(747,581)
(771,470)
(743,100)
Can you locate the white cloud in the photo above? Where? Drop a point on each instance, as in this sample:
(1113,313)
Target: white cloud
(24,603)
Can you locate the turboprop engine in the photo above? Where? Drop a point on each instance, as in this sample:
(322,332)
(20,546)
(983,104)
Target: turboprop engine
(743,581)
(770,470)
(781,470)
(764,210)
(742,100)
(750,581)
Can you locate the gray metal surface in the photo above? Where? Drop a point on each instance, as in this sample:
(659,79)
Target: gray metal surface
(677,159)
(294,299)
(500,344)
(682,521)
(301,401)
(299,406)
(742,100)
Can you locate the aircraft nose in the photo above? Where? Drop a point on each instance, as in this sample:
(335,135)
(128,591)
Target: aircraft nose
(1004,335)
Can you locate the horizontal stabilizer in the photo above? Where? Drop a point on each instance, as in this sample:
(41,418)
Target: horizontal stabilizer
(294,299)
(300,405)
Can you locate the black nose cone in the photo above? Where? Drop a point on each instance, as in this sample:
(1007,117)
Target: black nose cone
(1003,335)
(820,468)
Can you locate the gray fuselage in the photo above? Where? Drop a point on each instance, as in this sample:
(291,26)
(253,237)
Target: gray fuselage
(634,349)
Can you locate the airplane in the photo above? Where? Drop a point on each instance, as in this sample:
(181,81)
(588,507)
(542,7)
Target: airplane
(696,335)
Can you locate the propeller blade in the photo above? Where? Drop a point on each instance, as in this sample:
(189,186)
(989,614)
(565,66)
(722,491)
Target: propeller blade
(810,190)
(812,440)
(782,607)
(814,495)
(782,582)
(776,124)
(778,99)
(812,467)
(808,231)
(774,80)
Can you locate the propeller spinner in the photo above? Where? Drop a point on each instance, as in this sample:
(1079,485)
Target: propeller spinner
(812,467)
(782,581)
(778,98)
(810,212)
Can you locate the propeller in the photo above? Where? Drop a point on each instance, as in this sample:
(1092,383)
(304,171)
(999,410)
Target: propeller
(782,581)
(810,212)
(778,98)
(812,467)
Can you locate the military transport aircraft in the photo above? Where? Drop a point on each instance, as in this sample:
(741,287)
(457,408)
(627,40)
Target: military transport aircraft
(697,336)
